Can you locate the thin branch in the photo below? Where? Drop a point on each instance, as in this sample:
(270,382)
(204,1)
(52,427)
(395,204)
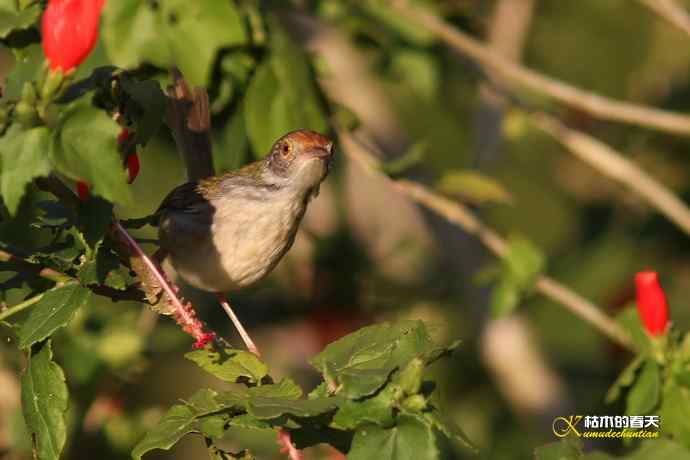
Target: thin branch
(26,266)
(613,165)
(670,11)
(592,103)
(23,265)
(459,215)
(4,314)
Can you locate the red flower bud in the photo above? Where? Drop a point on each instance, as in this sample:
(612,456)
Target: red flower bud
(70,31)
(651,303)
(123,136)
(83,190)
(132,167)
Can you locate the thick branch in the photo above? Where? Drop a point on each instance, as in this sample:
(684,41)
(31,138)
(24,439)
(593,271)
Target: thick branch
(459,215)
(592,103)
(670,11)
(612,164)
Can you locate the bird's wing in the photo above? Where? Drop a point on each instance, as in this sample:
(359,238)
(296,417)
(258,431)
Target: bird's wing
(185,198)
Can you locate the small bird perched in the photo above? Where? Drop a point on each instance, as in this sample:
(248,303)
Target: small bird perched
(222,233)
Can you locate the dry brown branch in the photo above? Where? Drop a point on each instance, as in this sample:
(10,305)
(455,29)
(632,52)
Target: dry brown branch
(613,165)
(592,103)
(459,215)
(670,11)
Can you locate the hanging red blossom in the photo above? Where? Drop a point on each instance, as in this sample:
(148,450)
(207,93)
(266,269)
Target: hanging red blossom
(651,303)
(70,31)
(132,159)
(83,190)
(132,167)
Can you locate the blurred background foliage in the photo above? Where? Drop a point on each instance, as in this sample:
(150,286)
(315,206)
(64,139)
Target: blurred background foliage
(365,254)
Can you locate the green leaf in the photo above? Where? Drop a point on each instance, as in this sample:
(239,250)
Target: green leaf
(234,366)
(285,389)
(474,187)
(449,428)
(126,49)
(264,110)
(173,32)
(25,155)
(675,407)
(629,319)
(361,362)
(644,394)
(177,422)
(282,96)
(213,426)
(86,149)
(263,407)
(180,420)
(200,30)
(625,379)
(566,449)
(12,20)
(659,449)
(410,439)
(44,402)
(53,311)
(376,410)
(520,268)
(105,269)
(28,65)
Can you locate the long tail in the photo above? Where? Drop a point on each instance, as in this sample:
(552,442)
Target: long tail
(189,119)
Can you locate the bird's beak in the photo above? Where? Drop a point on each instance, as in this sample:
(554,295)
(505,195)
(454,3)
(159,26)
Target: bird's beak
(322,153)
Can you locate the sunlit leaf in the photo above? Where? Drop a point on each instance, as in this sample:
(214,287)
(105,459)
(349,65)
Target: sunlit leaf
(25,155)
(44,402)
(53,311)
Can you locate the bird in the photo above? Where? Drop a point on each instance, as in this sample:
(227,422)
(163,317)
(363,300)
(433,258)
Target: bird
(223,233)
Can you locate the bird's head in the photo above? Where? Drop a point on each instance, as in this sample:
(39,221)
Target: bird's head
(300,159)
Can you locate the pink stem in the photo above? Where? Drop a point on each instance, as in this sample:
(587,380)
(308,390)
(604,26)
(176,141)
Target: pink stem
(288,446)
(248,342)
(184,314)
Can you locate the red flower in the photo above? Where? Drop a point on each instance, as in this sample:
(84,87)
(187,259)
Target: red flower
(123,136)
(70,31)
(83,190)
(132,167)
(651,303)
(132,159)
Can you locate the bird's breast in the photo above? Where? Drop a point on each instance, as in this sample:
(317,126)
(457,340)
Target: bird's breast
(252,236)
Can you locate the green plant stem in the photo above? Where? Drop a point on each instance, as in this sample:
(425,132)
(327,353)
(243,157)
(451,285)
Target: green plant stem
(20,306)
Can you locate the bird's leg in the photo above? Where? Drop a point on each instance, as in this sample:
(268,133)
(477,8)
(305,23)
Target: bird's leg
(238,325)
(284,438)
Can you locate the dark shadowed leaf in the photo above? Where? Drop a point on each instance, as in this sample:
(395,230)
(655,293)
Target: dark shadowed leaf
(25,155)
(44,402)
(52,312)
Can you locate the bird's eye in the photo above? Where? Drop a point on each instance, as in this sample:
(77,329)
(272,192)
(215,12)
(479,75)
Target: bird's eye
(285,150)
